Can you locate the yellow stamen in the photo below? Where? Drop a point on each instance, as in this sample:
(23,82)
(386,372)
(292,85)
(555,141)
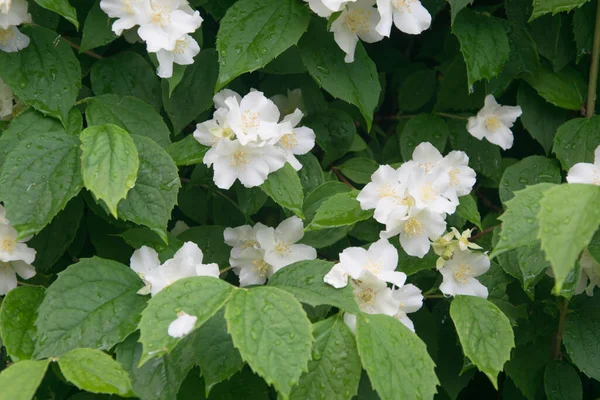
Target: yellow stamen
(454,179)
(250,119)
(239,159)
(289,141)
(358,20)
(463,273)
(260,267)
(282,248)
(413,227)
(6,36)
(492,124)
(8,245)
(386,191)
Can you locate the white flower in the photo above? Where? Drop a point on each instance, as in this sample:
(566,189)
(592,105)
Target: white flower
(220,97)
(461,177)
(463,239)
(381,260)
(425,156)
(13,12)
(280,244)
(460,272)
(179,228)
(357,20)
(296,139)
(324,8)
(411,300)
(187,262)
(183,325)
(210,132)
(254,119)
(590,272)
(242,237)
(251,165)
(415,229)
(408,15)
(129,13)
(373,297)
(251,267)
(428,191)
(165,22)
(586,172)
(6,107)
(384,194)
(288,104)
(12,40)
(15,256)
(186,48)
(493,122)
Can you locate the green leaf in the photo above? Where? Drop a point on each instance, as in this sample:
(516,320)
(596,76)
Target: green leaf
(456,6)
(541,7)
(97,29)
(529,171)
(28,124)
(520,225)
(540,118)
(46,74)
(61,7)
(311,174)
(484,157)
(187,151)
(319,195)
(467,208)
(93,303)
(423,128)
(335,368)
(526,367)
(304,280)
(554,39)
(127,74)
(565,89)
(335,131)
(581,337)
(356,83)
(210,240)
(576,141)
(269,315)
(484,332)
(254,32)
(417,90)
(359,170)
(594,246)
(483,44)
(532,263)
(38,179)
(17,317)
(339,210)
(154,195)
(583,29)
(94,371)
(199,296)
(395,358)
(568,218)
(129,113)
(562,382)
(194,94)
(160,378)
(284,187)
(56,237)
(215,354)
(21,380)
(454,92)
(109,163)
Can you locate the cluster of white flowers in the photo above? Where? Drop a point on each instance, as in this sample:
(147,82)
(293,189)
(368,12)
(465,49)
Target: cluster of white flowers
(15,256)
(370,271)
(360,19)
(248,141)
(12,14)
(259,251)
(493,122)
(414,200)
(586,172)
(165,26)
(187,262)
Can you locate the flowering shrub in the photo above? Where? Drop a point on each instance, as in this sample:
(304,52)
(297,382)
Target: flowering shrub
(299,199)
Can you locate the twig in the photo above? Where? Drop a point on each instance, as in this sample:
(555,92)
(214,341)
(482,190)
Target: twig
(453,116)
(434,296)
(393,117)
(224,270)
(78,48)
(484,232)
(556,352)
(593,81)
(341,177)
(487,202)
(28,284)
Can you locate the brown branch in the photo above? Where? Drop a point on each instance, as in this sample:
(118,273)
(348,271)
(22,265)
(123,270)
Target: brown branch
(78,48)
(556,351)
(488,203)
(483,232)
(341,177)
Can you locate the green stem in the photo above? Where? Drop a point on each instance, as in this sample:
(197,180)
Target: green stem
(453,116)
(593,81)
(556,353)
